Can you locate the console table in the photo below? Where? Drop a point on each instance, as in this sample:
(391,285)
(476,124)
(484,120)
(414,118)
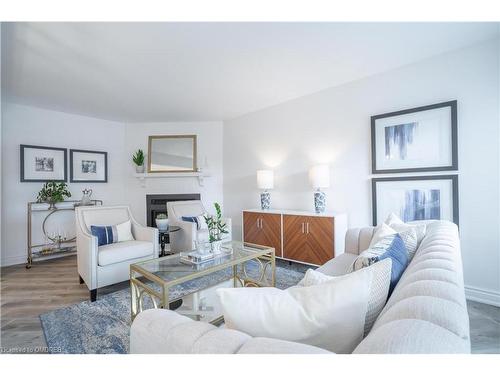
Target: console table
(53,245)
(299,236)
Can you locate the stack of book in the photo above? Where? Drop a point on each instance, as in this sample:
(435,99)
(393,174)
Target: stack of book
(196,257)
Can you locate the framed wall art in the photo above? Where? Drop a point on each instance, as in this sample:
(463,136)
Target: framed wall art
(88,166)
(422,139)
(415,198)
(41,164)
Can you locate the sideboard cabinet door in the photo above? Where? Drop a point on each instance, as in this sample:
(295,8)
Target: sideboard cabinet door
(263,229)
(308,239)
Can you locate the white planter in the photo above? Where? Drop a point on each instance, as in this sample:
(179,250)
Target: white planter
(139,168)
(162,224)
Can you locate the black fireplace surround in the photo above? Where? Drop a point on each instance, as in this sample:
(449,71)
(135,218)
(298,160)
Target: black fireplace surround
(157,204)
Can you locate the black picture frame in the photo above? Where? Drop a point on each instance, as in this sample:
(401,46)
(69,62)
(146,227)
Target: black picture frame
(23,178)
(453,178)
(71,158)
(454,139)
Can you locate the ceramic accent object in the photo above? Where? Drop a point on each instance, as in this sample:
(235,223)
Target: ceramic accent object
(162,224)
(319,201)
(265,200)
(139,168)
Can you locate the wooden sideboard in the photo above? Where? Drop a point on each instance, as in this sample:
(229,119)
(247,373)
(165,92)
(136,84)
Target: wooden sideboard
(299,236)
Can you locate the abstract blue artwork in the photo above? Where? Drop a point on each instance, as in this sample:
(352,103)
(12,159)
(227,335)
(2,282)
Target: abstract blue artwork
(421,205)
(397,139)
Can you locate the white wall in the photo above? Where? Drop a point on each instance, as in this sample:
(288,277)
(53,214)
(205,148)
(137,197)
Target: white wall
(209,137)
(333,126)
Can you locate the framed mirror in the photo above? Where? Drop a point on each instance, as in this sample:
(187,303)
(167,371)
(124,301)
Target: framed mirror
(172,153)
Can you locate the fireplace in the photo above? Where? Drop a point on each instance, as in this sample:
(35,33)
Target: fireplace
(157,204)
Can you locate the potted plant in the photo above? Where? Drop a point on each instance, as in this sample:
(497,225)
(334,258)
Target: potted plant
(216,228)
(53,192)
(138,159)
(161,222)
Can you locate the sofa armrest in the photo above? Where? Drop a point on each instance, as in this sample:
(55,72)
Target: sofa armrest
(159,331)
(148,234)
(86,253)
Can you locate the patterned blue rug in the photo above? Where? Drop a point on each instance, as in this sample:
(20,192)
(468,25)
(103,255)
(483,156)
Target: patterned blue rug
(103,326)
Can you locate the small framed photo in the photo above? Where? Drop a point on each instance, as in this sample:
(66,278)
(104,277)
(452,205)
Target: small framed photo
(41,164)
(88,166)
(415,198)
(422,139)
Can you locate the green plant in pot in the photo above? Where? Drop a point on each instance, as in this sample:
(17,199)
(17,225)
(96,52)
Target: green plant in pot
(216,228)
(53,192)
(161,222)
(138,159)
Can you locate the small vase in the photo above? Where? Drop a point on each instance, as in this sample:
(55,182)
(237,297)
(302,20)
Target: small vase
(216,246)
(139,168)
(162,224)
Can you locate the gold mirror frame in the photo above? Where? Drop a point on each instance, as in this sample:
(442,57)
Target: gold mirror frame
(191,136)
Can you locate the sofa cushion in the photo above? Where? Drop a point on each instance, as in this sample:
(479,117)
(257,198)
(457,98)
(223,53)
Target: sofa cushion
(382,231)
(330,315)
(123,251)
(412,336)
(338,266)
(392,247)
(112,233)
(379,289)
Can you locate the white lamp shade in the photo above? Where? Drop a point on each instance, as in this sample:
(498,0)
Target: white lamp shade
(265,179)
(320,176)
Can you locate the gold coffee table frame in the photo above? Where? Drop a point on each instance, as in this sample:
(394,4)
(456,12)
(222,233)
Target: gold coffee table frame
(242,253)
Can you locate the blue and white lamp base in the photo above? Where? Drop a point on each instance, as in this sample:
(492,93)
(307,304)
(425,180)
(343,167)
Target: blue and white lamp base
(265,200)
(319,201)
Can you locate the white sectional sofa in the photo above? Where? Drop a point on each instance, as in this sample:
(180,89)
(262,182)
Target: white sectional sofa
(426,313)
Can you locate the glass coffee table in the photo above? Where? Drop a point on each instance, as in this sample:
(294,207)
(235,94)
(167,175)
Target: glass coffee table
(161,282)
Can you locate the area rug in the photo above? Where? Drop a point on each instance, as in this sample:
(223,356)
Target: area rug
(103,326)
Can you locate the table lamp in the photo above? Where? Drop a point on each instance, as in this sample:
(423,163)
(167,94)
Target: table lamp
(265,180)
(320,178)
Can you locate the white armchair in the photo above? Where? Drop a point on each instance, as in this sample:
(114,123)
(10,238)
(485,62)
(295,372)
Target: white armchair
(100,266)
(184,239)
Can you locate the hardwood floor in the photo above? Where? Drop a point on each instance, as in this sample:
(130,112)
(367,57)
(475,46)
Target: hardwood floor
(25,294)
(52,284)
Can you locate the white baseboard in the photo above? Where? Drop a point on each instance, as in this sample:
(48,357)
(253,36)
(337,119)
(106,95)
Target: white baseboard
(489,297)
(13,260)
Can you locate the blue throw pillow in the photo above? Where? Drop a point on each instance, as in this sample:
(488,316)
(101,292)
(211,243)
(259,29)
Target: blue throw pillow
(112,233)
(399,256)
(392,247)
(104,234)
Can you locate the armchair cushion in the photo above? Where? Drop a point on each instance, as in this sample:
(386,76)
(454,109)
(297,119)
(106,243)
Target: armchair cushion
(122,251)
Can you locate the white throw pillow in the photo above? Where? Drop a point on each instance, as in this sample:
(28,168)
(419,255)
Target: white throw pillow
(329,313)
(381,231)
(124,231)
(379,289)
(393,219)
(395,222)
(420,230)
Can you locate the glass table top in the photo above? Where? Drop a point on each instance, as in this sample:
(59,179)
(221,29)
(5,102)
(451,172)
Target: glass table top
(172,269)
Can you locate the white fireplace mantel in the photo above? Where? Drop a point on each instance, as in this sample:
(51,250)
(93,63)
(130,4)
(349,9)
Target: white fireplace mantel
(143,177)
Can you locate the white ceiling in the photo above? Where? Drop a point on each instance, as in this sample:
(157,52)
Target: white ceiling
(141,72)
